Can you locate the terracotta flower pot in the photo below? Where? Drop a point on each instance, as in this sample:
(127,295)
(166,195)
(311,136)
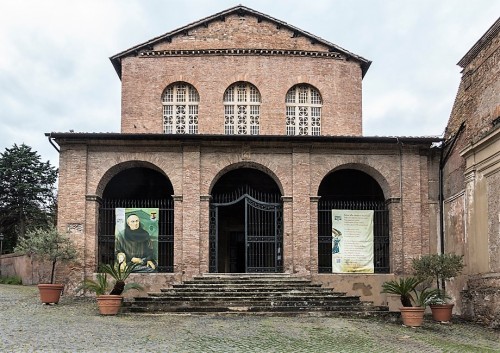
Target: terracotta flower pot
(442,312)
(412,316)
(50,293)
(109,304)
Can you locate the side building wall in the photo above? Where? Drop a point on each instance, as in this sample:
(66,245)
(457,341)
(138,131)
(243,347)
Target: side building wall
(470,178)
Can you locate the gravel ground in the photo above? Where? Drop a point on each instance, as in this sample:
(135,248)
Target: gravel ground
(74,325)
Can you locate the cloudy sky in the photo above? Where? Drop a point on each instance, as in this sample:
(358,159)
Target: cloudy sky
(55,74)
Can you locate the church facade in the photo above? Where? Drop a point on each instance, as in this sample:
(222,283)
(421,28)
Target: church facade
(244,133)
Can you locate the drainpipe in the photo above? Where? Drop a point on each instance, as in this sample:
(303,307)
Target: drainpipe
(400,146)
(51,140)
(442,161)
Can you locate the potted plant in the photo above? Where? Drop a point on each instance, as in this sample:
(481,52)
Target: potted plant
(110,304)
(50,245)
(439,268)
(413,299)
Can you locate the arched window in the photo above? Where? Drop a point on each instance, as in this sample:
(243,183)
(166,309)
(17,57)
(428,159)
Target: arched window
(180,109)
(241,109)
(303,111)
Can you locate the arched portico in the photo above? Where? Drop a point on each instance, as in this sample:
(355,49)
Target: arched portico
(137,186)
(352,189)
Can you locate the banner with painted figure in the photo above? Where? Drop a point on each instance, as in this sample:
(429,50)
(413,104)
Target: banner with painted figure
(136,237)
(352,241)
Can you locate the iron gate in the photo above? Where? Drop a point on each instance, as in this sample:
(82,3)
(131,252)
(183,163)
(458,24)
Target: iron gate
(380,230)
(106,234)
(263,230)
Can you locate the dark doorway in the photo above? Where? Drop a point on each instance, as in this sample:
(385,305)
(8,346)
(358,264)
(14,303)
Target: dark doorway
(246,223)
(352,189)
(138,188)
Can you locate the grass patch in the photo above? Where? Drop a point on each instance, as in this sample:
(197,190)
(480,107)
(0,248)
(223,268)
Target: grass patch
(11,280)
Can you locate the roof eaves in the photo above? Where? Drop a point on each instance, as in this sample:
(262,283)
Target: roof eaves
(476,48)
(242,138)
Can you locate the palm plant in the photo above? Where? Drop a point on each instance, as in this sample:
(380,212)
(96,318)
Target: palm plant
(119,272)
(99,286)
(404,287)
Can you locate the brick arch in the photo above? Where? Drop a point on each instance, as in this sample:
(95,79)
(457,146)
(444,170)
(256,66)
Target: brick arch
(234,82)
(178,81)
(304,83)
(251,165)
(114,170)
(371,171)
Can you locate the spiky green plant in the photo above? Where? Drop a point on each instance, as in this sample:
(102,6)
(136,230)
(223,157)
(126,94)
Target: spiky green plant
(426,296)
(120,274)
(404,287)
(99,286)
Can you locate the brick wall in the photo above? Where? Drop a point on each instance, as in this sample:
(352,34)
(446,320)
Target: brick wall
(144,78)
(297,170)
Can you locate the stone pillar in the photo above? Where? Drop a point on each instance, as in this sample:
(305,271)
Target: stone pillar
(178,234)
(204,232)
(301,214)
(313,209)
(395,236)
(191,214)
(90,250)
(287,234)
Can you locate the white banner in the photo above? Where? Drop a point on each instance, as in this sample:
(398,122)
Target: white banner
(352,241)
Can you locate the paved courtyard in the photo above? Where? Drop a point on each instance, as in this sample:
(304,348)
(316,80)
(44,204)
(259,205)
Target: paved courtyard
(75,326)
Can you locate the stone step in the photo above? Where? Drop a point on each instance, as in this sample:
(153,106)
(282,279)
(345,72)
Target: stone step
(247,302)
(243,295)
(268,289)
(264,294)
(238,283)
(256,309)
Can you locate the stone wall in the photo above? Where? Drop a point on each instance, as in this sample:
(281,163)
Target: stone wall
(481,301)
(30,270)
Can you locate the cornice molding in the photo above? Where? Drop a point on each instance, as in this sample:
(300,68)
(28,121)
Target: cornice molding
(240,52)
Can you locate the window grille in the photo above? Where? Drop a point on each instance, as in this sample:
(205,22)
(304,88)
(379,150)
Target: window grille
(180,109)
(303,111)
(242,109)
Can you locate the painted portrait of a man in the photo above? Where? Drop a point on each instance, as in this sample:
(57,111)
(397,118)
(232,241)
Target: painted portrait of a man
(136,238)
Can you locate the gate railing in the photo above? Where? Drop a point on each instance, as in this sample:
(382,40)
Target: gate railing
(263,229)
(264,236)
(380,231)
(106,233)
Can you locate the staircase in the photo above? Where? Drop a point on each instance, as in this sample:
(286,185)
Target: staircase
(276,294)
